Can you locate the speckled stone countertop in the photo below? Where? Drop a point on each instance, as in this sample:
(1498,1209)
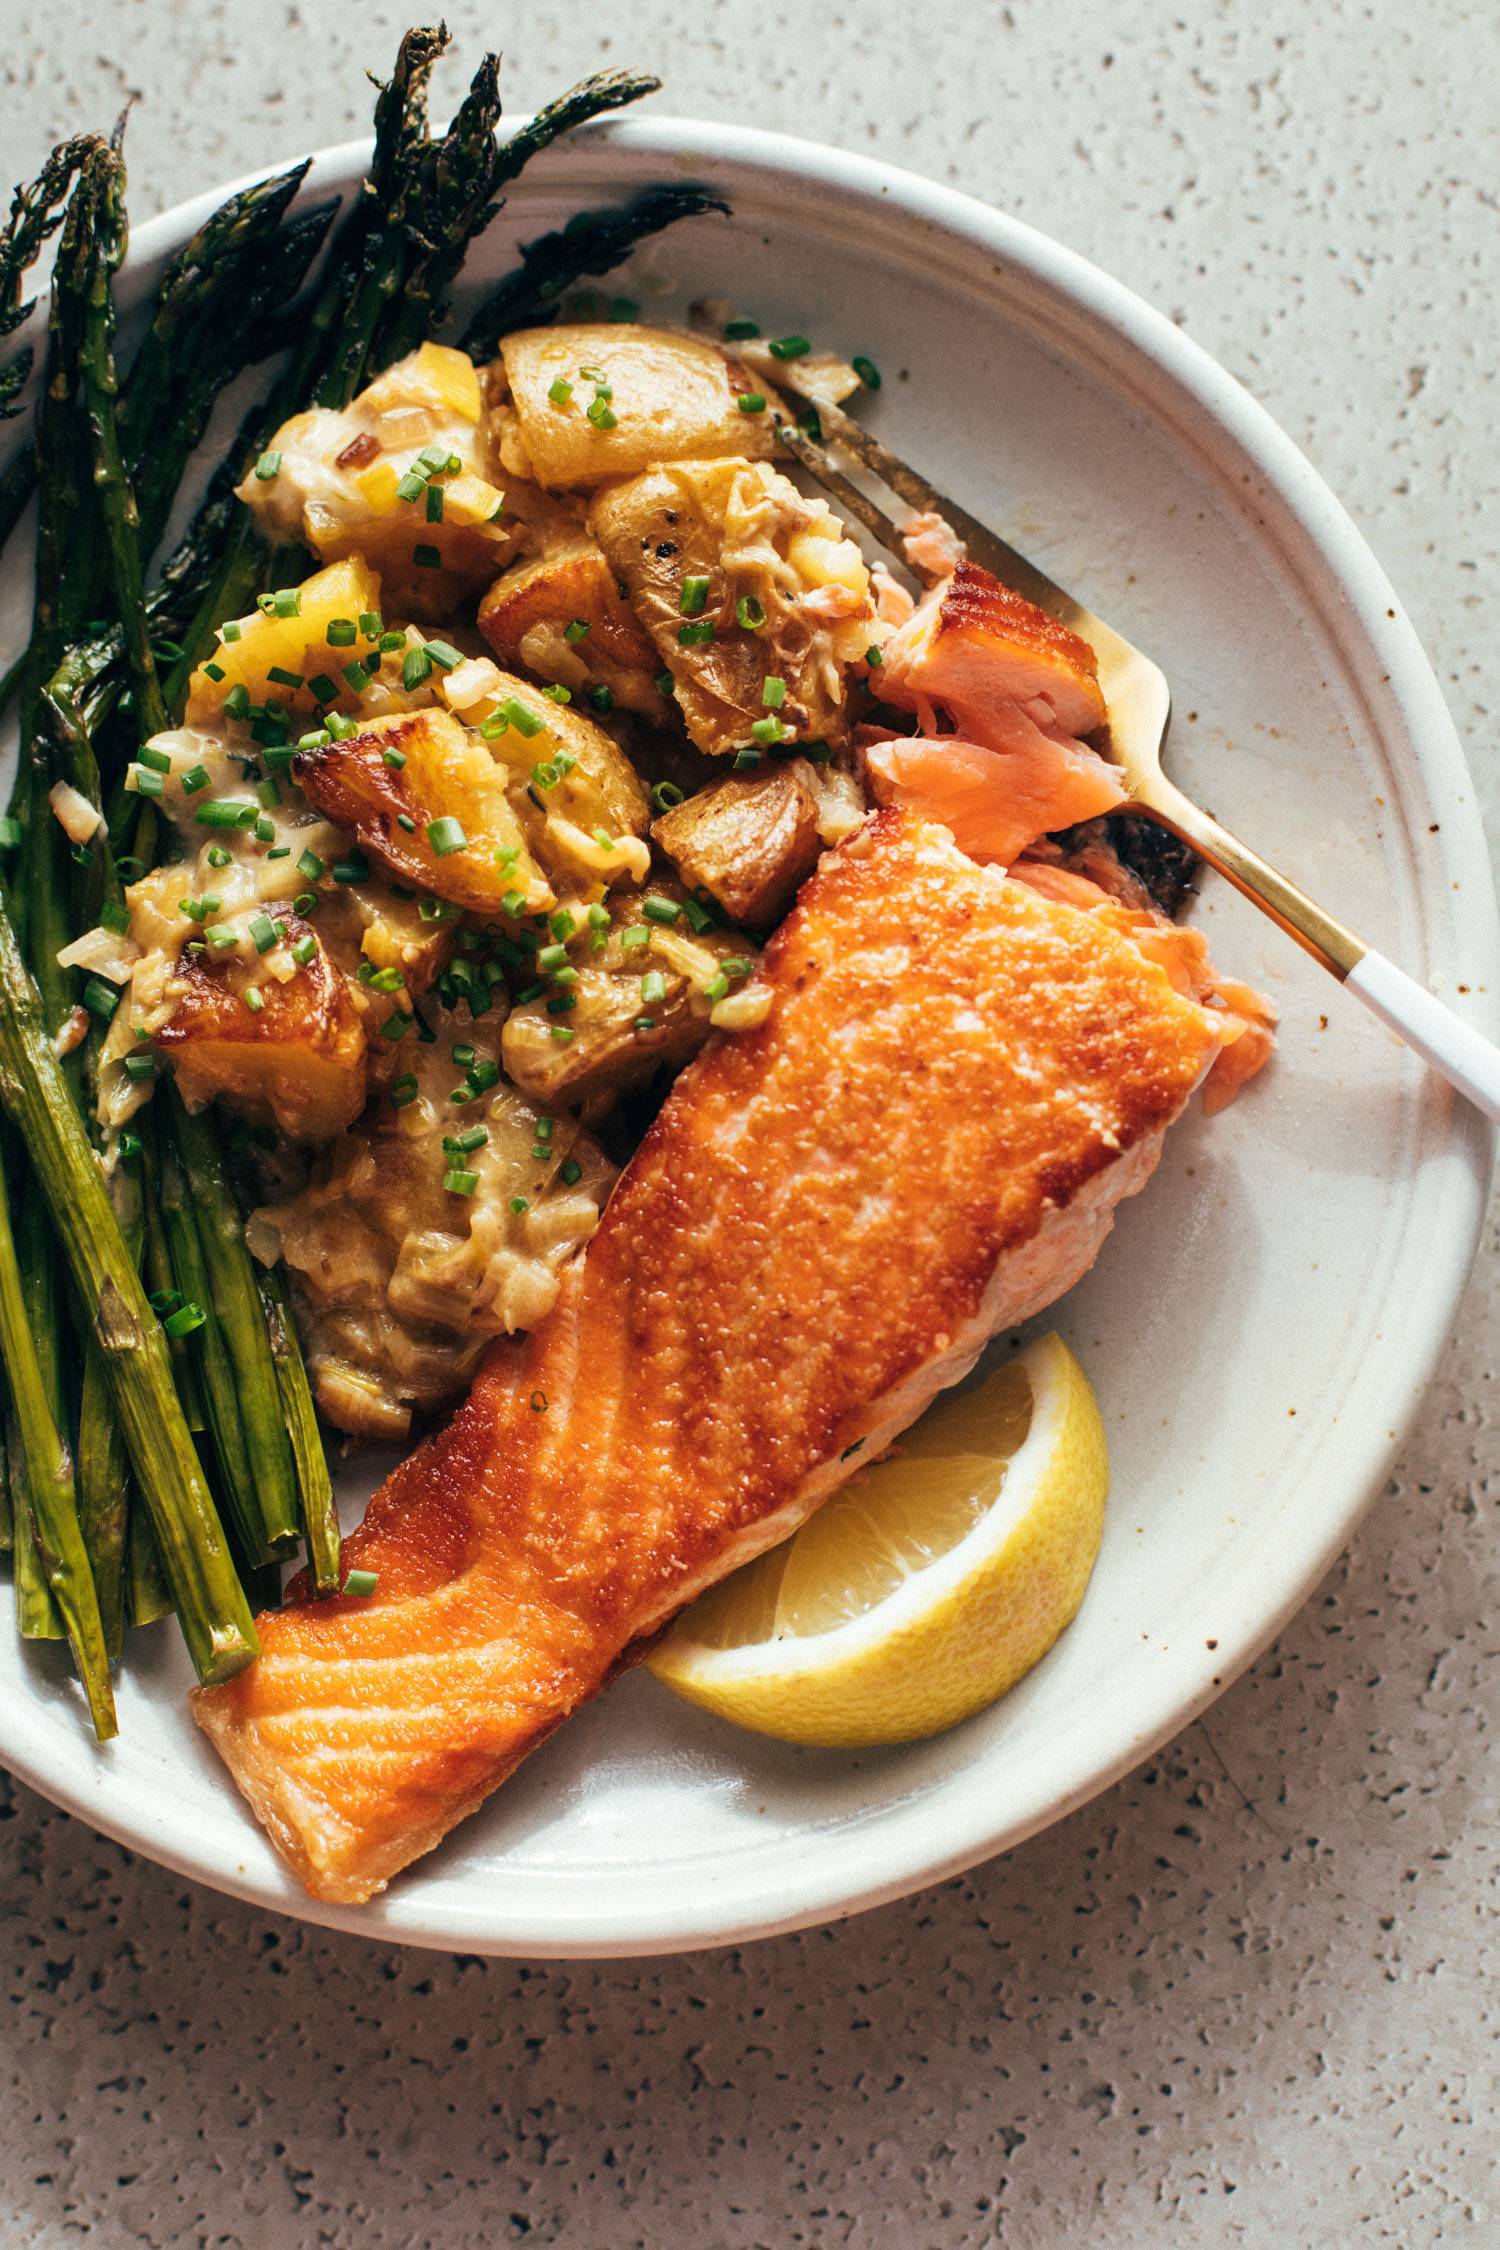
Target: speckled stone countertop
(1245,1997)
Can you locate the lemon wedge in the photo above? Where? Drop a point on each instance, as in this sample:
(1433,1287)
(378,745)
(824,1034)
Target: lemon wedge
(930,1583)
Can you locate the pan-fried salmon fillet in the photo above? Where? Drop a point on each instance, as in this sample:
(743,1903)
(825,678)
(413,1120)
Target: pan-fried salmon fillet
(957,1081)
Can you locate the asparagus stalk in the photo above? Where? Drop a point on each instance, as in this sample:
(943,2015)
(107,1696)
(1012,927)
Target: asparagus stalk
(35,214)
(271,1494)
(593,243)
(112,485)
(51,1505)
(103,1498)
(319,1514)
(215,1620)
(188,1281)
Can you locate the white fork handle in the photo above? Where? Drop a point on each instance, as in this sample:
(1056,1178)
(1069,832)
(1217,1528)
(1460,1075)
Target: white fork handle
(1455,1050)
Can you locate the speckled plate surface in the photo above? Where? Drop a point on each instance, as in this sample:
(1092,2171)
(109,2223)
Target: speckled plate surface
(1263,1320)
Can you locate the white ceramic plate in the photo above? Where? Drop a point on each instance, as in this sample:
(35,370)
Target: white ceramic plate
(1264,1319)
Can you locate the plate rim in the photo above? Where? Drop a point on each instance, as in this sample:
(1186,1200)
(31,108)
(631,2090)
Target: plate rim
(1198,388)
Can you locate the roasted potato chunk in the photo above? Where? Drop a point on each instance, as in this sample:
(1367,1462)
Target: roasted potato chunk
(430,1228)
(276,658)
(645,997)
(750,842)
(426,799)
(601,399)
(273,1033)
(358,480)
(562,619)
(576,795)
(753,597)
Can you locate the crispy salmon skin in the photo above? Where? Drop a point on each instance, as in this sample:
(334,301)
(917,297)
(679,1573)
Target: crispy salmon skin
(924,1142)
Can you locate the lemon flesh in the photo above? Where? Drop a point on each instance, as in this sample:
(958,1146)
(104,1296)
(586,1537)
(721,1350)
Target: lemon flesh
(927,1586)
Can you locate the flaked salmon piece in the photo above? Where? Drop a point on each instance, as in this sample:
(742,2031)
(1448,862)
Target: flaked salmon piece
(956,1082)
(1018,690)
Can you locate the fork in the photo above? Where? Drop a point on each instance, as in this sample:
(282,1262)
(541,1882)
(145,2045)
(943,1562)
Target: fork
(1139,703)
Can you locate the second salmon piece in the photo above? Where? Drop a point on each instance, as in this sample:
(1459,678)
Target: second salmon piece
(922,1144)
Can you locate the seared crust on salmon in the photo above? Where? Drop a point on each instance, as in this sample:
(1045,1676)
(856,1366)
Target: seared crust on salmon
(923,1143)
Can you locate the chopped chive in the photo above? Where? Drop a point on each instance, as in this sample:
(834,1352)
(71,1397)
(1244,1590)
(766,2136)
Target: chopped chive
(359,1585)
(560,390)
(284,678)
(147,784)
(323,688)
(493,727)
(211,670)
(416,666)
(697,634)
(770,729)
(100,999)
(342,632)
(484,1074)
(576,631)
(230,629)
(658,909)
(790,347)
(226,812)
(466,1143)
(396,1025)
(393,758)
(460,1182)
(873,658)
(310,865)
(740,331)
(305,950)
(140,1067)
(188,1316)
(602,697)
(653,986)
(601,413)
(196,778)
(867,371)
(555,692)
(371,624)
(444,653)
(634,936)
(129,1144)
(114,917)
(446,835)
(572,1172)
(693,599)
(264,829)
(523,720)
(269,465)
(157,760)
(287,602)
(390,642)
(665,794)
(432,458)
(552,957)
(751,402)
(357,676)
(411,486)
(405,822)
(518,1204)
(218,856)
(221,937)
(403,1090)
(748,757)
(354,869)
(267,794)
(717,987)
(773,692)
(748,614)
(664,683)
(253,998)
(237,702)
(434,503)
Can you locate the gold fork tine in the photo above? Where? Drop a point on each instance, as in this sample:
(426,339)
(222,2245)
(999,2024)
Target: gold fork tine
(819,465)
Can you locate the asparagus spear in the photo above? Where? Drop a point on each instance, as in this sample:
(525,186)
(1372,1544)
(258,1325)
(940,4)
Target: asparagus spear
(112,486)
(47,1483)
(215,1621)
(319,1514)
(35,214)
(591,244)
